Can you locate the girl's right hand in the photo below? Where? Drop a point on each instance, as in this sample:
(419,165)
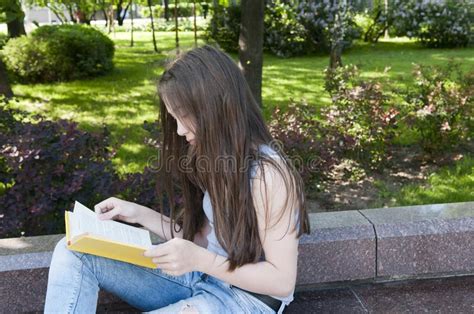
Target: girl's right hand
(117,209)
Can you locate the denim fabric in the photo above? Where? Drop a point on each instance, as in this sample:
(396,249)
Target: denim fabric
(75,278)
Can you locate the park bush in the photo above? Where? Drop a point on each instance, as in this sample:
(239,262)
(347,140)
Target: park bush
(441,106)
(446,23)
(361,115)
(3,40)
(224,27)
(319,19)
(184,10)
(288,30)
(59,53)
(375,22)
(45,166)
(312,149)
(284,36)
(158,11)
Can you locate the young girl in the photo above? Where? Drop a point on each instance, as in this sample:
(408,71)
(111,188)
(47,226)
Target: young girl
(233,248)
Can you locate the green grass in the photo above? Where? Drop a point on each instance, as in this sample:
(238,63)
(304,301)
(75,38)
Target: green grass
(122,100)
(125,98)
(303,77)
(448,185)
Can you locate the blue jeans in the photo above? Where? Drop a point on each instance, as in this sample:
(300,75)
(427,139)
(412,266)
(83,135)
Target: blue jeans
(75,278)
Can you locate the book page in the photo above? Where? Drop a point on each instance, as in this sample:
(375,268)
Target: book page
(73,225)
(86,220)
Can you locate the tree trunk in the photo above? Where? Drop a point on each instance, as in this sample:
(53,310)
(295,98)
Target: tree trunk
(152,26)
(14,15)
(131,22)
(110,18)
(176,25)
(337,37)
(335,59)
(386,22)
(251,45)
(121,13)
(16,27)
(195,26)
(5,88)
(104,12)
(167,10)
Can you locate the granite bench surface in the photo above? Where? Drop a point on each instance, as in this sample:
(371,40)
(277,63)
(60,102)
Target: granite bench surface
(344,248)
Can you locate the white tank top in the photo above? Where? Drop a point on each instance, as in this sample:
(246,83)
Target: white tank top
(213,245)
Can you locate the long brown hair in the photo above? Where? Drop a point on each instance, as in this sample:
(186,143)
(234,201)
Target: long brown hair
(206,86)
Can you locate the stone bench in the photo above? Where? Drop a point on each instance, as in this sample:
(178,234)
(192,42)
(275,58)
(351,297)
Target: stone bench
(344,248)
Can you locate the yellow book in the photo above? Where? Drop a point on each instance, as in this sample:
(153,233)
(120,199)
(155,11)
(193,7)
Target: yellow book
(86,233)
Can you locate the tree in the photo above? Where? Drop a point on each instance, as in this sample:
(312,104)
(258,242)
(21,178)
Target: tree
(5,88)
(176,26)
(152,26)
(109,16)
(121,12)
(167,10)
(131,22)
(195,26)
(80,11)
(251,45)
(337,34)
(13,15)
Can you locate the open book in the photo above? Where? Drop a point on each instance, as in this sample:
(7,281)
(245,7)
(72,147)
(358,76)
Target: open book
(86,233)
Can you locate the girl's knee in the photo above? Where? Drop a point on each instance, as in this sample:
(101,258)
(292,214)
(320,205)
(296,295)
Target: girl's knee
(62,252)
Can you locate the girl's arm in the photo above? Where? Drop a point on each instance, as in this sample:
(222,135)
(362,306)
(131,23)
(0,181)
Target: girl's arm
(277,274)
(151,220)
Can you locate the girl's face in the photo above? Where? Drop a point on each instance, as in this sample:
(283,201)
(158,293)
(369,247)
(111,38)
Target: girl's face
(183,123)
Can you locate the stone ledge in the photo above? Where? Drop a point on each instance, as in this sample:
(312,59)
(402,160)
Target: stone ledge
(344,247)
(426,239)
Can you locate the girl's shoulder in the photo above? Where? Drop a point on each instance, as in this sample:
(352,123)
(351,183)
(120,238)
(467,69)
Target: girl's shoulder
(268,150)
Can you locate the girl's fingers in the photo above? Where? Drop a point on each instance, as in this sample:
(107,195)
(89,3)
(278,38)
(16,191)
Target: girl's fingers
(110,214)
(104,206)
(157,251)
(165,266)
(162,259)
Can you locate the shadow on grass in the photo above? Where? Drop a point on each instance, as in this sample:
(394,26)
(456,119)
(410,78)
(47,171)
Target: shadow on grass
(124,98)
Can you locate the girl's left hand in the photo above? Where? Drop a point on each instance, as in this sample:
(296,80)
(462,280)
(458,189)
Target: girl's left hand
(176,256)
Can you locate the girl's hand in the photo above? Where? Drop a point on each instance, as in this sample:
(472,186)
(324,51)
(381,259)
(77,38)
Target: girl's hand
(176,256)
(117,209)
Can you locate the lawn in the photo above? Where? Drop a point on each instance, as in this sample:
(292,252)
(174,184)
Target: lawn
(448,185)
(125,98)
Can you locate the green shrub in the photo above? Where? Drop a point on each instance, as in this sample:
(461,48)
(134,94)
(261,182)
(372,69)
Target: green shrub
(285,36)
(434,23)
(184,10)
(378,21)
(158,11)
(59,53)
(3,39)
(320,20)
(224,27)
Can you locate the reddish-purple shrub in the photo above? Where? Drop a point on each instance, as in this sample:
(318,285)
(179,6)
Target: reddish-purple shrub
(361,115)
(45,167)
(307,143)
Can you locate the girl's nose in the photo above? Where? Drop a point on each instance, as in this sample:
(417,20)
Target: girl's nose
(181,129)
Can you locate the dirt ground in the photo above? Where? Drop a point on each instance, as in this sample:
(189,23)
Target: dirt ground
(352,188)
